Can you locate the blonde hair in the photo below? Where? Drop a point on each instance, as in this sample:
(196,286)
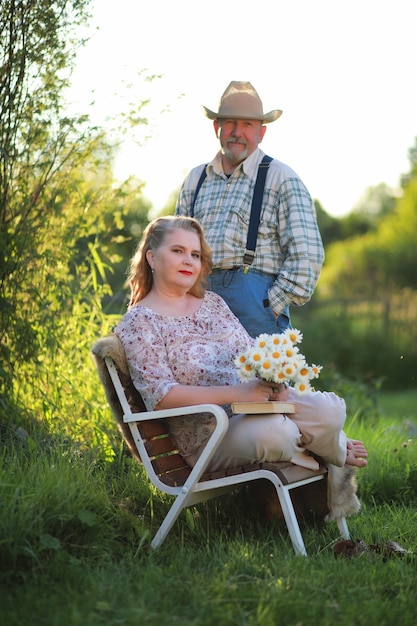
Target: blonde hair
(140,273)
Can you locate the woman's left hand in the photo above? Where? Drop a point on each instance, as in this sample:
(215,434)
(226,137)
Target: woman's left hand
(280,394)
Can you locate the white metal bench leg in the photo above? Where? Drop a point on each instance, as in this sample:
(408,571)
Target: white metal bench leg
(291,520)
(178,505)
(343,527)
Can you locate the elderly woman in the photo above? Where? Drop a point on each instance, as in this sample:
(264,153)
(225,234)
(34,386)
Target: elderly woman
(181,342)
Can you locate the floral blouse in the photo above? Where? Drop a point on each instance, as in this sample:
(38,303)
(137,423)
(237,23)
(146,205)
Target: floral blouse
(197,349)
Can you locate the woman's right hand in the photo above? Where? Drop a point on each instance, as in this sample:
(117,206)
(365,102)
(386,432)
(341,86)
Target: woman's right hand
(254,391)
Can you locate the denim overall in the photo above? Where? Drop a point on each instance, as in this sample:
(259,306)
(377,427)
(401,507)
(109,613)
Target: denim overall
(245,289)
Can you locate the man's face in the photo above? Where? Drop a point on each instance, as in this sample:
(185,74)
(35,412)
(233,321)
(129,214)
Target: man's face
(238,138)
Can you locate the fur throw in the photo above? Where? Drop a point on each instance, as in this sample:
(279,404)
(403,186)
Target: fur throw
(112,347)
(341,492)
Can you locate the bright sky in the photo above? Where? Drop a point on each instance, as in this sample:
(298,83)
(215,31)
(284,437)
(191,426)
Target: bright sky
(343,73)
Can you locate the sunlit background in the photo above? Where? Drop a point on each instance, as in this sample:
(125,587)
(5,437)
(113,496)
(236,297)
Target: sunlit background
(343,73)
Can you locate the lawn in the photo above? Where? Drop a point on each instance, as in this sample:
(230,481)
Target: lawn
(75,533)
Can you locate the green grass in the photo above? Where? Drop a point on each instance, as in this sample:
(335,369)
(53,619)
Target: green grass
(399,405)
(75,533)
(238,581)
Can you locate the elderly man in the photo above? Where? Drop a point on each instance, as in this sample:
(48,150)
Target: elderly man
(257,215)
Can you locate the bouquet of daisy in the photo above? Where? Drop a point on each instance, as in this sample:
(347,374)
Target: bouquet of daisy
(277,359)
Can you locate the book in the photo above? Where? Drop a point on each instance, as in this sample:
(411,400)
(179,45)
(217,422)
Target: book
(263,407)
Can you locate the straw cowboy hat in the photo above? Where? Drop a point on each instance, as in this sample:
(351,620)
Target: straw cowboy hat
(241,101)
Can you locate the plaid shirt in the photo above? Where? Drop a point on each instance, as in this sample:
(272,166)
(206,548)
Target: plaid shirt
(289,244)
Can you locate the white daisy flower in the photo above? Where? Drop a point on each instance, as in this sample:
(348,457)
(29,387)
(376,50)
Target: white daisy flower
(294,335)
(302,385)
(276,358)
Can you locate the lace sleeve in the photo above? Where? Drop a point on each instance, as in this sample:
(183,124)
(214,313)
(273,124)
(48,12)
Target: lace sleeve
(146,356)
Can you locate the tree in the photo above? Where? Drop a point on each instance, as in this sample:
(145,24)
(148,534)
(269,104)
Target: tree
(39,145)
(37,142)
(330,227)
(381,261)
(375,204)
(124,215)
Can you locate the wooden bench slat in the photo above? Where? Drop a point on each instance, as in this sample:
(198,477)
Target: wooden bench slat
(152,428)
(177,477)
(164,464)
(290,473)
(162,445)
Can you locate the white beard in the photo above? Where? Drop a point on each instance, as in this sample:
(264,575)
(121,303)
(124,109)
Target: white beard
(234,157)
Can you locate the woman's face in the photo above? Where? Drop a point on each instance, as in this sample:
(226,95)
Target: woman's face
(176,264)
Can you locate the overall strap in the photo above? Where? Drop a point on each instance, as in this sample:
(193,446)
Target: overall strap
(255,214)
(197,189)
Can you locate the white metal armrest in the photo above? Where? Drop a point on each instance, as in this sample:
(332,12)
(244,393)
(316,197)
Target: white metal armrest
(222,424)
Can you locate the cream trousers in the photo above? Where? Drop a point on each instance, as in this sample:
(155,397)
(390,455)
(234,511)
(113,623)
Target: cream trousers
(316,426)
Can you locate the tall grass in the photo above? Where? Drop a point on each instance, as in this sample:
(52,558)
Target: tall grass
(76,523)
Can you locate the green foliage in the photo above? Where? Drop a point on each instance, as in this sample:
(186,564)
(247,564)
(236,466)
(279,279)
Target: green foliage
(169,208)
(401,405)
(368,341)
(383,260)
(65,229)
(126,216)
(362,319)
(376,203)
(37,142)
